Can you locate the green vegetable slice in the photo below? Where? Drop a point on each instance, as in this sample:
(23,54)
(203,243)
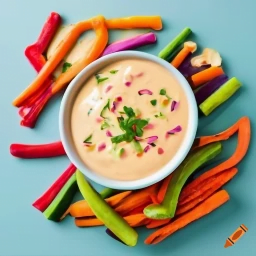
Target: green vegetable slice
(105,213)
(62,201)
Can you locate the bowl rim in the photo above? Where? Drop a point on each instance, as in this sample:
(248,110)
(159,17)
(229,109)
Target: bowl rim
(65,115)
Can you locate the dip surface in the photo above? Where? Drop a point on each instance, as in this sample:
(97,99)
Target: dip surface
(121,83)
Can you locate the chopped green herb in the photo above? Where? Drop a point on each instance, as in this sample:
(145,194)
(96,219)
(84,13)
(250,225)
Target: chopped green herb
(105,125)
(121,112)
(159,115)
(66,66)
(113,71)
(100,79)
(107,106)
(88,139)
(127,125)
(137,146)
(89,112)
(153,102)
(120,152)
(163,92)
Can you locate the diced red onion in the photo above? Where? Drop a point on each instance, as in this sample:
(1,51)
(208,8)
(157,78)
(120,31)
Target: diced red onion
(175,130)
(101,147)
(113,109)
(99,119)
(119,99)
(174,105)
(149,126)
(145,91)
(138,138)
(108,88)
(127,83)
(160,151)
(152,139)
(147,148)
(109,134)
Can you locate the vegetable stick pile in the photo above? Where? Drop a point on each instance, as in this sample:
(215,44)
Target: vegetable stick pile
(170,204)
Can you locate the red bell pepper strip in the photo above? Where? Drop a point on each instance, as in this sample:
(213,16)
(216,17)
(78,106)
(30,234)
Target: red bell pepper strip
(37,151)
(45,200)
(34,52)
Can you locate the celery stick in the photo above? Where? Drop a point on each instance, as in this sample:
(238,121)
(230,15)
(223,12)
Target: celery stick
(220,96)
(177,41)
(105,213)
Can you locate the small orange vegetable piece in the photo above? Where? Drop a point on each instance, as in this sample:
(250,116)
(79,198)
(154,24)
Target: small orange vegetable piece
(157,223)
(189,47)
(133,220)
(201,210)
(163,188)
(153,22)
(206,75)
(82,209)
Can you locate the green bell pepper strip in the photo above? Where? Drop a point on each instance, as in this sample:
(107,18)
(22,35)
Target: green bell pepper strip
(191,163)
(105,213)
(220,96)
(62,201)
(175,43)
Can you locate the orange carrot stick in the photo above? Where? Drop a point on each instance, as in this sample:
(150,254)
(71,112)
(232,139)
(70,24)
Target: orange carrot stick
(201,210)
(244,135)
(205,191)
(59,54)
(154,199)
(163,188)
(189,47)
(139,209)
(133,221)
(137,199)
(153,22)
(157,223)
(82,209)
(206,75)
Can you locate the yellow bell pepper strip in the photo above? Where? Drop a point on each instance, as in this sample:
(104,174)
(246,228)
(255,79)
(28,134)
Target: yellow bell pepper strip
(153,22)
(99,24)
(105,213)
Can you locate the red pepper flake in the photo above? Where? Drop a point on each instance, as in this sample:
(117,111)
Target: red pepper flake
(119,99)
(160,151)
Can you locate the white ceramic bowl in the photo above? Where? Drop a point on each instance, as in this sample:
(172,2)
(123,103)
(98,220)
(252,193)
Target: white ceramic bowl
(65,121)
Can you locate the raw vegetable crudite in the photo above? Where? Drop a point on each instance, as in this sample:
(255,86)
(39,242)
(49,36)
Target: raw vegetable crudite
(220,96)
(37,151)
(105,213)
(62,201)
(192,162)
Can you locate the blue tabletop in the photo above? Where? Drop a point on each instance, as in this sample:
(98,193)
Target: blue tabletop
(228,26)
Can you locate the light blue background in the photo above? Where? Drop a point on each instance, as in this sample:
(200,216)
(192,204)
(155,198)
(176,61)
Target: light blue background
(226,25)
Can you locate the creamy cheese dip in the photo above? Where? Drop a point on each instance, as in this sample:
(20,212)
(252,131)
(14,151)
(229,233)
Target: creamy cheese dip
(139,100)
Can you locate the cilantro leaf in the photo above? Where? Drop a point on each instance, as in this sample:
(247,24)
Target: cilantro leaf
(88,139)
(129,112)
(100,79)
(163,92)
(66,66)
(153,102)
(107,106)
(114,71)
(137,146)
(119,138)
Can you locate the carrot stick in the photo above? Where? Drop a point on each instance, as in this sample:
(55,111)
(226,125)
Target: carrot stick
(189,47)
(203,209)
(154,199)
(157,223)
(205,191)
(153,22)
(53,62)
(244,134)
(206,75)
(139,209)
(133,221)
(82,209)
(137,199)
(163,188)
